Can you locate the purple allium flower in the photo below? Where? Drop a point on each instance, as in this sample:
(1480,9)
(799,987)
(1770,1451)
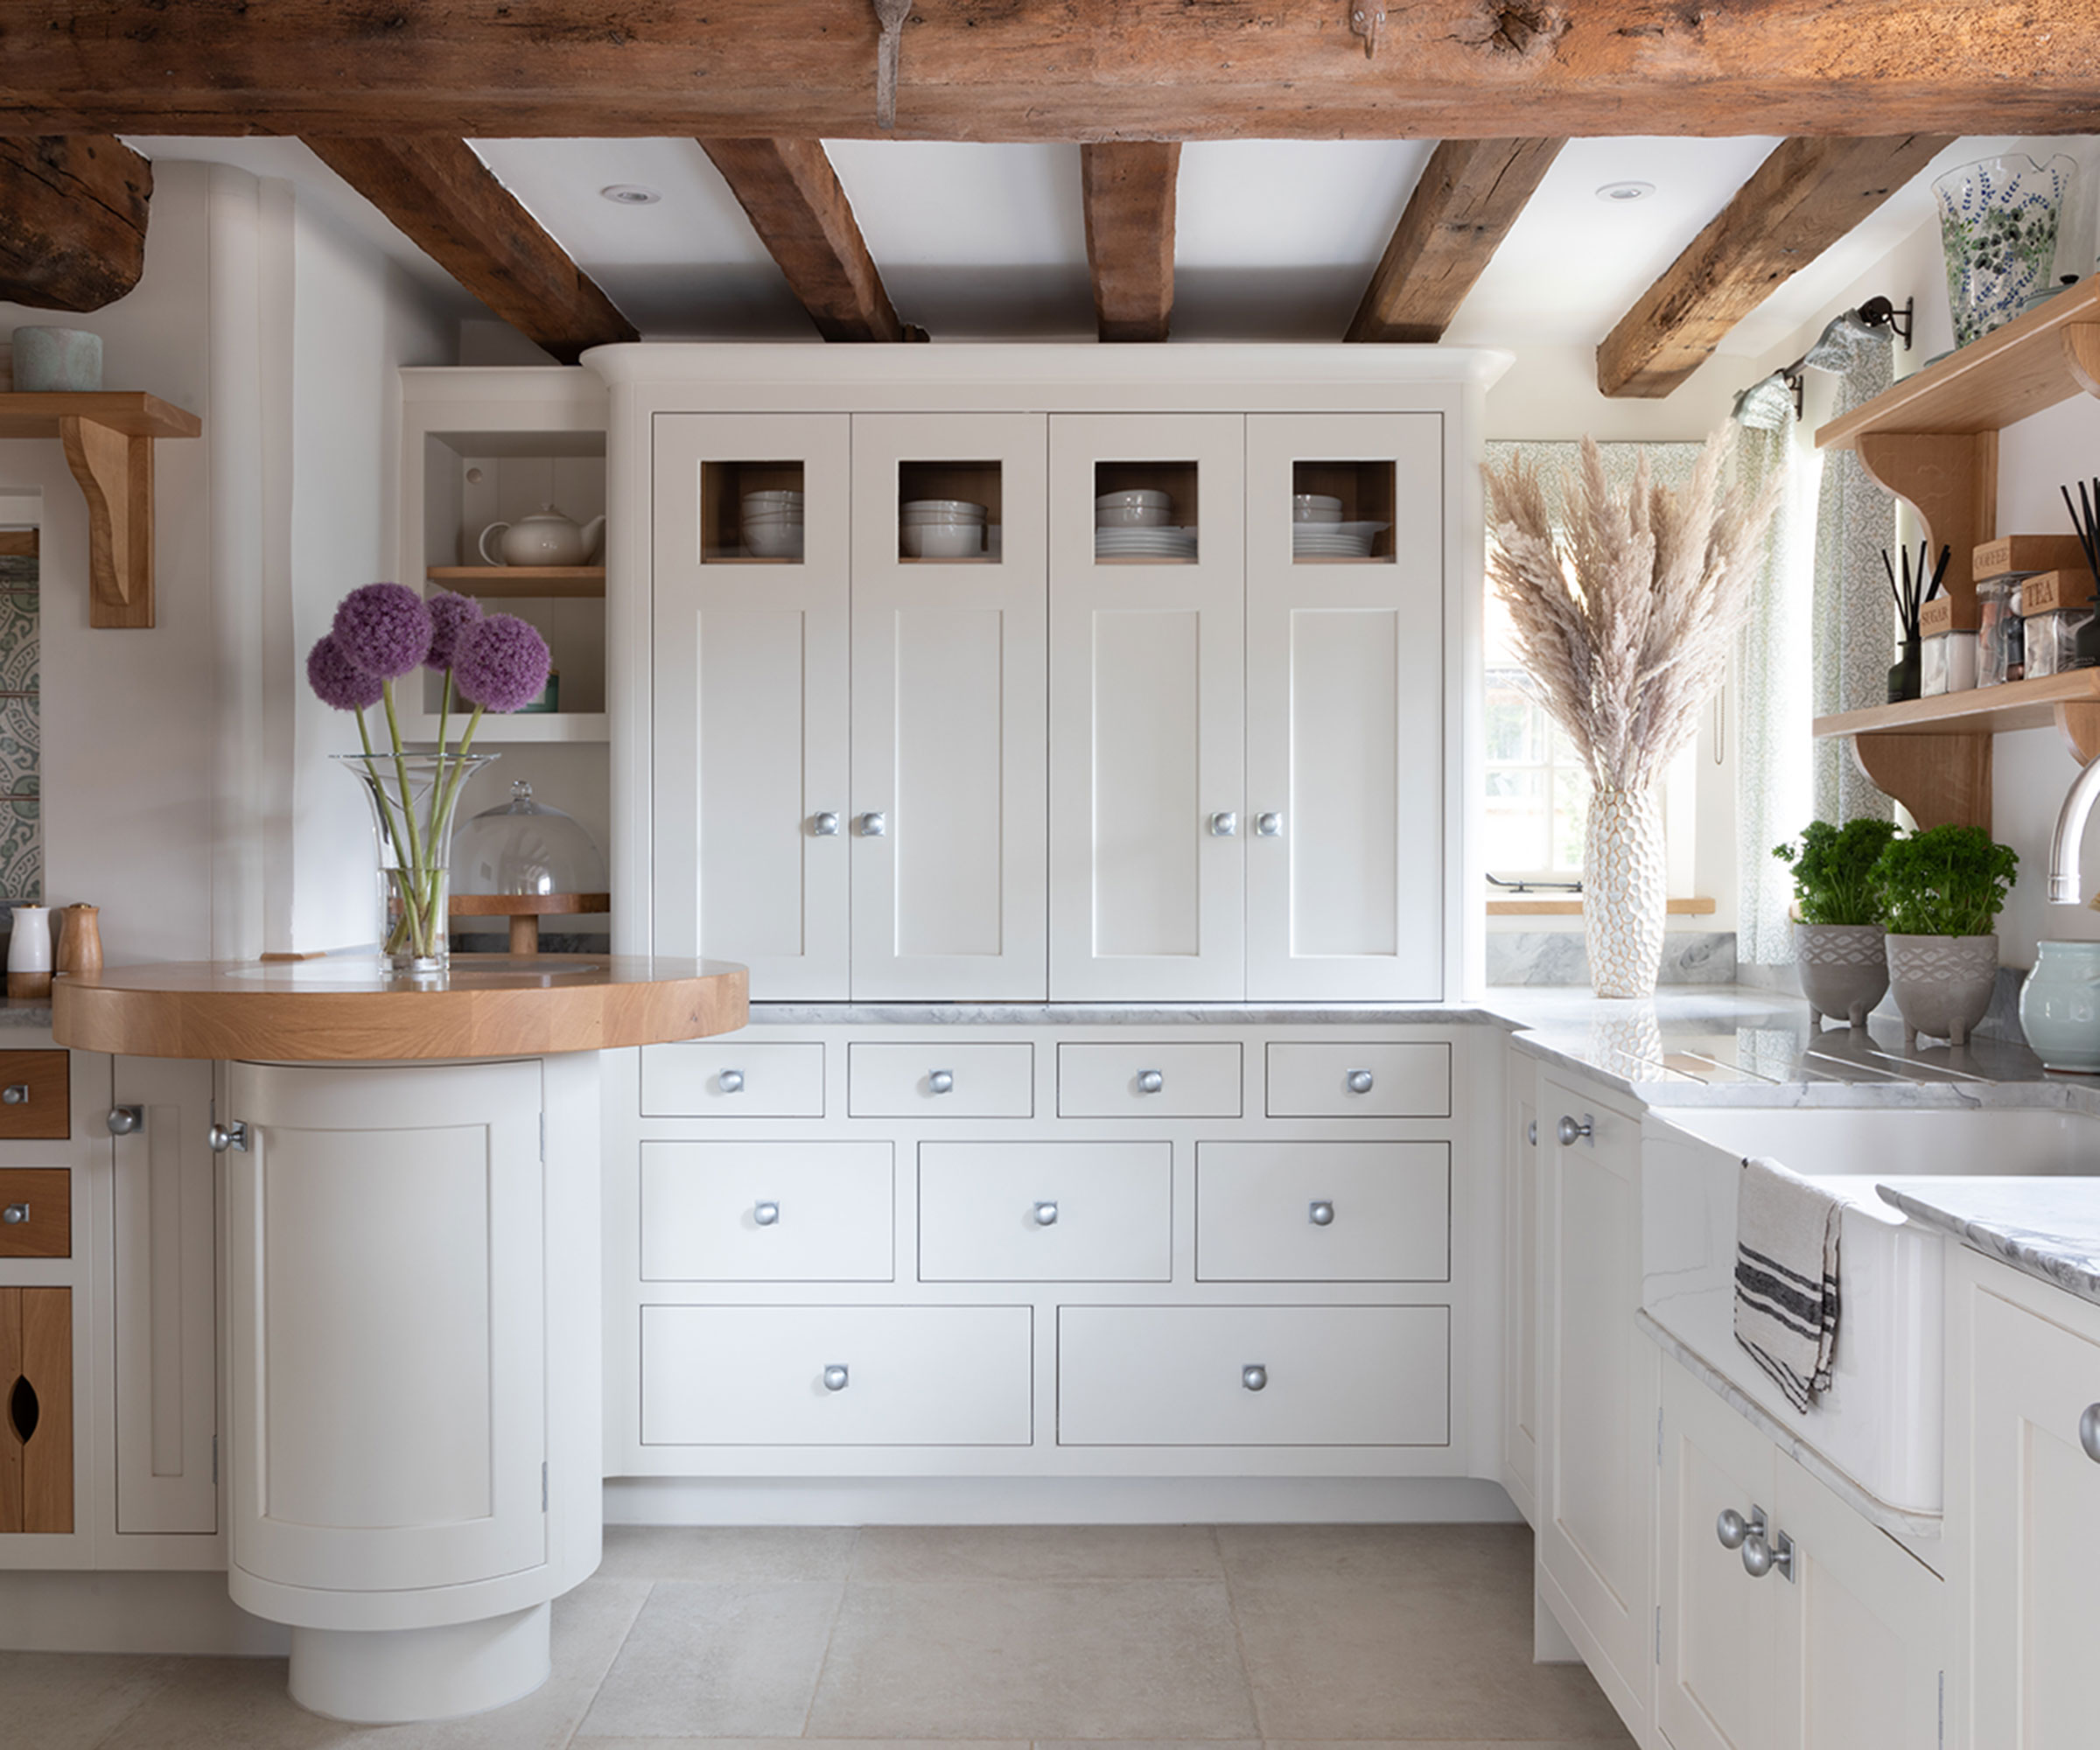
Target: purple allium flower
(500,663)
(384,628)
(336,680)
(449,616)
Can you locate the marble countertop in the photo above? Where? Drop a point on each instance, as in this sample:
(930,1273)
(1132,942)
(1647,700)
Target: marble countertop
(2047,1228)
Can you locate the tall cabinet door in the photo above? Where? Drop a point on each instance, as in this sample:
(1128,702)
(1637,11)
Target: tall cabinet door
(949,821)
(1345,710)
(751,672)
(1147,709)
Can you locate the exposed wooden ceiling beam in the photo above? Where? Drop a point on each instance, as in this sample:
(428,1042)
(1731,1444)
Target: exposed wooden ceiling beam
(1469,196)
(73,220)
(1129,189)
(1802,199)
(445,200)
(1079,70)
(802,216)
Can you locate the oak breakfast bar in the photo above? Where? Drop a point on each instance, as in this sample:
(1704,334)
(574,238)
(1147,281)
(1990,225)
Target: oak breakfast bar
(411,1239)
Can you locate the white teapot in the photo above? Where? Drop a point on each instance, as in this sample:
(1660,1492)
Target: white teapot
(545,538)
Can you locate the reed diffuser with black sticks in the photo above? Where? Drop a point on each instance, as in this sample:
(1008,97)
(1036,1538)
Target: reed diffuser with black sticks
(2085,522)
(1911,595)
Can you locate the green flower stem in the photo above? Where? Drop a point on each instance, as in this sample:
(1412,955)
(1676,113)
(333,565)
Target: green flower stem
(413,915)
(392,832)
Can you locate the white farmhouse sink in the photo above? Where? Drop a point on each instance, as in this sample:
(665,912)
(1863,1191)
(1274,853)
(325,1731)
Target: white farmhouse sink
(1882,1422)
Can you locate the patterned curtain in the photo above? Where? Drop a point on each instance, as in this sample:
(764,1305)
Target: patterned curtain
(1854,628)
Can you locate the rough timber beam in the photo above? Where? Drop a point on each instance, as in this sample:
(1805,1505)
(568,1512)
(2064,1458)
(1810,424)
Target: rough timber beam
(793,197)
(1128,191)
(1470,194)
(1075,70)
(73,220)
(1802,199)
(445,200)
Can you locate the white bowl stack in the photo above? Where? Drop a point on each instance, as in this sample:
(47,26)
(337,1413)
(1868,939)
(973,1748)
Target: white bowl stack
(773,525)
(942,529)
(1318,532)
(1133,525)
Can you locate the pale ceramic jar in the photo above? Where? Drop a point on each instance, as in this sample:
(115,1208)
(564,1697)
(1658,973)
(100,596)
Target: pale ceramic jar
(2060,1006)
(1625,892)
(544,538)
(1844,970)
(57,360)
(1943,983)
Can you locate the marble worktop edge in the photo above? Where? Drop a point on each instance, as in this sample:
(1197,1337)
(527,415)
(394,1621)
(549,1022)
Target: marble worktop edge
(1122,1014)
(2047,1228)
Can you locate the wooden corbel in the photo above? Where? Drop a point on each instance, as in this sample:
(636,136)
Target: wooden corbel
(1367,19)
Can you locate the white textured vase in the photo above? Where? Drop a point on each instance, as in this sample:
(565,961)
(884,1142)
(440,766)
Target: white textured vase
(1625,892)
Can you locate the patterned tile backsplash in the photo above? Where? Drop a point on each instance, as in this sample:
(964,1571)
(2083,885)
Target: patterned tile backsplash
(21,737)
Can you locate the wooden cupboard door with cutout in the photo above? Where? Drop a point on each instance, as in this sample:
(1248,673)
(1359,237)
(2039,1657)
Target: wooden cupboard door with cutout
(36,1409)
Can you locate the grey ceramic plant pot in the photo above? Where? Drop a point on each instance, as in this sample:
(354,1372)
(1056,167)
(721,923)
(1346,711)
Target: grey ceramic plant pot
(1844,970)
(1943,983)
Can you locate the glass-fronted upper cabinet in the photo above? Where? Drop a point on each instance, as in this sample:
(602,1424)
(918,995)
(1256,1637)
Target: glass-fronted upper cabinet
(1341,512)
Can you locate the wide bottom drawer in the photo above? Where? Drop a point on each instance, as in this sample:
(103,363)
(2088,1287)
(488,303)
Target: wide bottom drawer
(1254,1377)
(837,1375)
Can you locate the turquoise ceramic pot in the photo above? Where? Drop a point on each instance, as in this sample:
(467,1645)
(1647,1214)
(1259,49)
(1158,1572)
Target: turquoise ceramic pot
(2060,1006)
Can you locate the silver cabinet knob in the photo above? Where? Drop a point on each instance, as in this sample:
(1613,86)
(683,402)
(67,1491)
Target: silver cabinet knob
(767,1214)
(1731,1527)
(15,1094)
(1268,826)
(224,1137)
(1763,1552)
(1149,1082)
(123,1120)
(1045,1215)
(1569,1132)
(2089,1431)
(1360,1082)
(873,826)
(1531,1133)
(1320,1213)
(941,1080)
(1255,1378)
(1224,825)
(824,826)
(15,1214)
(730,1081)
(836,1378)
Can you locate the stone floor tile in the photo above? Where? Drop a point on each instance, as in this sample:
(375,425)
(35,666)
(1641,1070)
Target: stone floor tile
(1130,1659)
(72,1701)
(1037,1552)
(728,1553)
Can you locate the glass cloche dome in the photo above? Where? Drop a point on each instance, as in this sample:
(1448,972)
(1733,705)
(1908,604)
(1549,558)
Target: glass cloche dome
(524,847)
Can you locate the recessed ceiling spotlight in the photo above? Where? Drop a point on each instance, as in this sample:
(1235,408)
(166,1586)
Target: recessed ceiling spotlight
(1618,193)
(631,194)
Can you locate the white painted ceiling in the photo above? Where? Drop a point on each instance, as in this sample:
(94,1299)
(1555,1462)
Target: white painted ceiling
(1275,240)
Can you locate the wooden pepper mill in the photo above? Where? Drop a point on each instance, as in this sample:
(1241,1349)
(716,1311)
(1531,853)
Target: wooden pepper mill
(80,940)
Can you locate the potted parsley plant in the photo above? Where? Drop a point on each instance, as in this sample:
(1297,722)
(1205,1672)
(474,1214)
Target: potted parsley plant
(1839,921)
(1944,888)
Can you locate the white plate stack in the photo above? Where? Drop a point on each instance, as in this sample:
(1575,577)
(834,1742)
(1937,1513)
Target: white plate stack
(1318,532)
(773,525)
(942,529)
(1133,525)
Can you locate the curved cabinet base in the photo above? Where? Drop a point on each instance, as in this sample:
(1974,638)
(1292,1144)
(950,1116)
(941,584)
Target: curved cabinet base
(387,1676)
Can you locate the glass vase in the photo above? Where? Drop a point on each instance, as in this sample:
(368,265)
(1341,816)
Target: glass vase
(414,797)
(1625,892)
(1999,221)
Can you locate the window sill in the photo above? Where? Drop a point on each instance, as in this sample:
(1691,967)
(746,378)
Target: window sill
(1540,906)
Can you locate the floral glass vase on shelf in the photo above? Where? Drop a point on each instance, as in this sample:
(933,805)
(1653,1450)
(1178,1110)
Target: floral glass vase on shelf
(490,662)
(1624,607)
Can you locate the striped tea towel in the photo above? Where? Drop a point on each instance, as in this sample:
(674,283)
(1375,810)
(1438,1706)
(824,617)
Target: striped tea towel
(1786,1277)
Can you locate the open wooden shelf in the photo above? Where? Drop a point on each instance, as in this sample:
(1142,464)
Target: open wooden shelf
(521,582)
(108,436)
(1984,710)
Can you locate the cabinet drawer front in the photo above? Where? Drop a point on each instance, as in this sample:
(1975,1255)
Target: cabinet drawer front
(728,1078)
(37,1202)
(913,1376)
(941,1079)
(1178,1376)
(1115,1081)
(1109,1210)
(1323,1212)
(38,1088)
(1323,1081)
(767,1211)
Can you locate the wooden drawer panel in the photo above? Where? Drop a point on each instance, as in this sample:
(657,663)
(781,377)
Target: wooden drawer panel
(1387,1209)
(915,1376)
(1111,1209)
(733,1079)
(1194,1080)
(36,1426)
(941,1079)
(36,1212)
(1177,1375)
(34,1091)
(1319,1080)
(767,1212)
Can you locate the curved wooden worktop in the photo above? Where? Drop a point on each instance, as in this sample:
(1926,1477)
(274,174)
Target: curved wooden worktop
(338,1010)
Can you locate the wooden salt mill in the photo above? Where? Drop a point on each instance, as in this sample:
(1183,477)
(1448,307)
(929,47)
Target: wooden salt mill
(80,940)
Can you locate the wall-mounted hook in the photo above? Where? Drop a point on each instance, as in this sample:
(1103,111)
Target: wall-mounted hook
(1367,19)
